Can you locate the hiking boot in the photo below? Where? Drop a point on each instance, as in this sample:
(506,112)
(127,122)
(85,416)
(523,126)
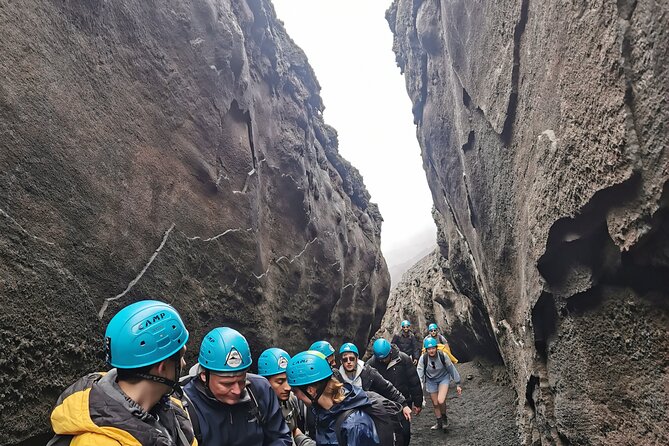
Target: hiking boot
(444,422)
(437,426)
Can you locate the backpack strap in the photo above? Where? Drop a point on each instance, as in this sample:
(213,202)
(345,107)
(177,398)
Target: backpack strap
(255,407)
(338,424)
(442,358)
(195,422)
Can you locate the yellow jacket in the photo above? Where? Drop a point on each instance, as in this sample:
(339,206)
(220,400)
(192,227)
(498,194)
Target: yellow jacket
(94,412)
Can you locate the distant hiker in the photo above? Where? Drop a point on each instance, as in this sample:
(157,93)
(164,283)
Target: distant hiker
(232,407)
(407,341)
(272,365)
(130,405)
(327,350)
(436,371)
(397,367)
(310,376)
(433,332)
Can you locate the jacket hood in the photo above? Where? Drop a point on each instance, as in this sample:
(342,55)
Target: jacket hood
(72,414)
(355,398)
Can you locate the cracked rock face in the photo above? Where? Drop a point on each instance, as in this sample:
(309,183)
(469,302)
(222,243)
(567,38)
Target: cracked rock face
(544,139)
(173,151)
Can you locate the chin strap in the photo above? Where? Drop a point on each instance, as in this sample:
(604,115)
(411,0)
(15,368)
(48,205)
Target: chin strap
(320,388)
(173,385)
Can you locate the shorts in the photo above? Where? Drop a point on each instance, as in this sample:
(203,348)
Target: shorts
(433,386)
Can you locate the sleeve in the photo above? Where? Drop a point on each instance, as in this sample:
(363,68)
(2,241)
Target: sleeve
(385,388)
(395,339)
(420,370)
(416,347)
(414,382)
(275,429)
(454,373)
(304,440)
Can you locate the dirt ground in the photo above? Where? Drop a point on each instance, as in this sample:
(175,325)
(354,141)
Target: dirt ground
(483,416)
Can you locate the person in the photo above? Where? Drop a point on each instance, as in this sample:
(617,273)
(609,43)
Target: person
(397,367)
(312,380)
(231,406)
(435,371)
(354,371)
(433,332)
(272,365)
(407,342)
(130,404)
(326,349)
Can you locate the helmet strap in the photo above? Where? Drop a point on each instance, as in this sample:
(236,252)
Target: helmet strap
(174,385)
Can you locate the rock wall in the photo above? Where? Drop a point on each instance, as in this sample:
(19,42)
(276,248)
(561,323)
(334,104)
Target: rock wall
(544,137)
(173,150)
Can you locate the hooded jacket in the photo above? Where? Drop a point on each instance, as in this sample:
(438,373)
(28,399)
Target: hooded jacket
(401,373)
(94,411)
(408,343)
(237,424)
(370,379)
(358,429)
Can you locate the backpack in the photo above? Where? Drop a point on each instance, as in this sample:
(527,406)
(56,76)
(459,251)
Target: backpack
(446,349)
(386,414)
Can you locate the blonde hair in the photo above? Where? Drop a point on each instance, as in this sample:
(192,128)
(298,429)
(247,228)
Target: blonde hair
(335,390)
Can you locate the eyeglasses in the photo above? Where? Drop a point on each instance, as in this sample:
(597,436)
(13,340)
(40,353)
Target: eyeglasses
(349,359)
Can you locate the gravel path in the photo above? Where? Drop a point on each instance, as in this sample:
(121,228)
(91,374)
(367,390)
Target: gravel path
(483,416)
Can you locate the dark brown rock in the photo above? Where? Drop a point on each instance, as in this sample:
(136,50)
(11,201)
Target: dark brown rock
(544,138)
(171,150)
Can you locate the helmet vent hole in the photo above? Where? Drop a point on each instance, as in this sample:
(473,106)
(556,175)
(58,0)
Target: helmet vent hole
(142,343)
(174,327)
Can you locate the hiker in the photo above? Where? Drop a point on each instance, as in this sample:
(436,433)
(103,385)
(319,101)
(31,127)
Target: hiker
(436,371)
(272,365)
(310,376)
(231,406)
(130,404)
(397,367)
(433,332)
(407,341)
(326,349)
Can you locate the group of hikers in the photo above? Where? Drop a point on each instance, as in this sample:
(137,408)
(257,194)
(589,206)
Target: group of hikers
(301,400)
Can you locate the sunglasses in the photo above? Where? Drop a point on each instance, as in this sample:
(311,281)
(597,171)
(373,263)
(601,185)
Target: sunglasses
(349,359)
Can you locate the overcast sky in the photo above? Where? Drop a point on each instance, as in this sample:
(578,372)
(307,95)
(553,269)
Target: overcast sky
(349,46)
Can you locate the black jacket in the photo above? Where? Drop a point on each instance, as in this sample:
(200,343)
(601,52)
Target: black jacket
(371,379)
(408,344)
(401,372)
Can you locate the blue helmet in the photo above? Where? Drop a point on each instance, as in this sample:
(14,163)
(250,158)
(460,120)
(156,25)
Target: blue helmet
(144,333)
(381,348)
(349,347)
(429,342)
(225,350)
(308,368)
(323,347)
(432,326)
(272,362)
(405,323)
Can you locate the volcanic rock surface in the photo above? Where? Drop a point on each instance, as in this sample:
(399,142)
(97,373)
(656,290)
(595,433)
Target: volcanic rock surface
(544,137)
(172,150)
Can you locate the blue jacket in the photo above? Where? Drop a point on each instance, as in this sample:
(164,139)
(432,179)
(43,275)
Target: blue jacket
(236,425)
(358,429)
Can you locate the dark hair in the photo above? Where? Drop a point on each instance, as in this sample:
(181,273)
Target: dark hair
(131,375)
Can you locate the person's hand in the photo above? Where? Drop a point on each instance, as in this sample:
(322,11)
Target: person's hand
(416,410)
(296,432)
(291,421)
(406,410)
(459,390)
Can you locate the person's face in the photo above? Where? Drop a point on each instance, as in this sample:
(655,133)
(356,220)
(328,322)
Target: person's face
(227,389)
(332,360)
(405,329)
(433,333)
(432,351)
(280,385)
(349,361)
(302,397)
